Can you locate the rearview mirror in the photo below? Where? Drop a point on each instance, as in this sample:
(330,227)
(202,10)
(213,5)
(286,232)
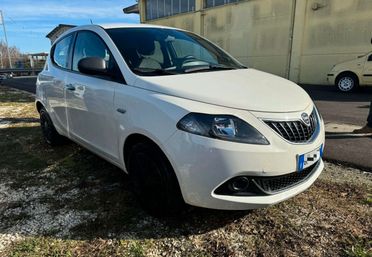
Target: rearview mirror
(93,66)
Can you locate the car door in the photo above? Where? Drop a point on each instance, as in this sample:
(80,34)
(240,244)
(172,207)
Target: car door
(90,108)
(367,72)
(54,79)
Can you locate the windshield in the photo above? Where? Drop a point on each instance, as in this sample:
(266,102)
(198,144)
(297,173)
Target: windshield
(158,51)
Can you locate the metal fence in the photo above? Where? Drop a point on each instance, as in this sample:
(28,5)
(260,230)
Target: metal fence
(24,62)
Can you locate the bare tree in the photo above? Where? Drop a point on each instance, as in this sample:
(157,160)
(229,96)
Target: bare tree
(15,55)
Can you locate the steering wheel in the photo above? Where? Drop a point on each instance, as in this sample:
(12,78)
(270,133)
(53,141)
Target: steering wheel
(186,59)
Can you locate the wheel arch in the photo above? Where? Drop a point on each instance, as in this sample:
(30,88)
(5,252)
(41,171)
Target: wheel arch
(348,72)
(38,106)
(130,141)
(135,138)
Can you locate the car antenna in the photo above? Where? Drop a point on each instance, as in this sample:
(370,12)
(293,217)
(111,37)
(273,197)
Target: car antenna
(91,22)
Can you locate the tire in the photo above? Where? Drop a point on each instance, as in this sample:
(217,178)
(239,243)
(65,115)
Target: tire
(347,82)
(153,180)
(48,130)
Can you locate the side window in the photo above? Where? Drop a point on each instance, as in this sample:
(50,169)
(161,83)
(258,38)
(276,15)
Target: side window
(61,52)
(370,58)
(88,44)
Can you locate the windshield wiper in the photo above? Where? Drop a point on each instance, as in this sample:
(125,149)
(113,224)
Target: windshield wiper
(209,68)
(152,72)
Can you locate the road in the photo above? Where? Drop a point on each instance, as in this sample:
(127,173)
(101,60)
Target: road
(345,108)
(22,83)
(336,107)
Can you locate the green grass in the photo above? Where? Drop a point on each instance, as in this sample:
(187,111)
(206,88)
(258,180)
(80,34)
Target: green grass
(43,246)
(368,199)
(360,249)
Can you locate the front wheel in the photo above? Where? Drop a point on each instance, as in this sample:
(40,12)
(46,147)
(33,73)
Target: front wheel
(154,181)
(347,83)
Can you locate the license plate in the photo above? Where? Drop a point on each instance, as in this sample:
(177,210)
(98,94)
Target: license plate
(306,160)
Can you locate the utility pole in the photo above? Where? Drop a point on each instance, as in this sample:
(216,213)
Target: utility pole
(6,38)
(1,60)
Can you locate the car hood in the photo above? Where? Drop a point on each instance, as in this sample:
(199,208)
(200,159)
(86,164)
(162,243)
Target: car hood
(351,64)
(247,89)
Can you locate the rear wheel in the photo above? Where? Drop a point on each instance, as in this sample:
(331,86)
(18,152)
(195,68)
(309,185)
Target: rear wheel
(50,134)
(153,180)
(347,82)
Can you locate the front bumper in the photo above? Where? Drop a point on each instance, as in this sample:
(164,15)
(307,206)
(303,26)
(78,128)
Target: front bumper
(202,164)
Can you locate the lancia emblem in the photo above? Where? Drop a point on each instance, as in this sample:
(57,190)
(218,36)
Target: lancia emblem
(305,118)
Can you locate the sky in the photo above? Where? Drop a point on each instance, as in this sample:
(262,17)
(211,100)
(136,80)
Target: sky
(28,22)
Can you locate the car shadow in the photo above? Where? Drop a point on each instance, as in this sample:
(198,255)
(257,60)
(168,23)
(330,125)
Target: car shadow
(339,135)
(330,93)
(67,192)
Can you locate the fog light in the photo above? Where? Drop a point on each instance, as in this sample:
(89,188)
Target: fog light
(239,184)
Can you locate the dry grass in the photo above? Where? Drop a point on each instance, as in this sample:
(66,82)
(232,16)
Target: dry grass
(65,201)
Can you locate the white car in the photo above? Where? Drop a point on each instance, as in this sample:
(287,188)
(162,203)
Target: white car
(187,121)
(349,75)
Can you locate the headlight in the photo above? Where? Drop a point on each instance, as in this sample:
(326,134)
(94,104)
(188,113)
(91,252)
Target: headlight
(224,127)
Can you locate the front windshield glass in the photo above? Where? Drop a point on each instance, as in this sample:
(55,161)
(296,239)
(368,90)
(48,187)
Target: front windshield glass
(158,51)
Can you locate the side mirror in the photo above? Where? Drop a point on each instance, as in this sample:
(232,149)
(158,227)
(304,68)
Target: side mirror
(93,66)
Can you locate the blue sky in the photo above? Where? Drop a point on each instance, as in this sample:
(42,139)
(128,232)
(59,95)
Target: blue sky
(28,22)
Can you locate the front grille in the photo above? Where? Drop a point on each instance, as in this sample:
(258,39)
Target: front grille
(295,131)
(272,185)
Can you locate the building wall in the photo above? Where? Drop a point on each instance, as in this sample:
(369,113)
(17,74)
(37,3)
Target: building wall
(338,31)
(297,39)
(255,32)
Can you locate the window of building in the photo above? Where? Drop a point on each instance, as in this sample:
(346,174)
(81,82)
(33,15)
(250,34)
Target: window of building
(213,3)
(161,8)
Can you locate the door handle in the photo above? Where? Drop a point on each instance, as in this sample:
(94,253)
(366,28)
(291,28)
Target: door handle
(70,87)
(120,110)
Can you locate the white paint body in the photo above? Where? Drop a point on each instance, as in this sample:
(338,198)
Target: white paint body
(154,105)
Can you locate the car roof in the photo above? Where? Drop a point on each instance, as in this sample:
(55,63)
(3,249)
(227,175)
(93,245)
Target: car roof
(130,25)
(111,26)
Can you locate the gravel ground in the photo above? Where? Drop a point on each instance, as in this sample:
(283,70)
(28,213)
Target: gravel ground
(65,201)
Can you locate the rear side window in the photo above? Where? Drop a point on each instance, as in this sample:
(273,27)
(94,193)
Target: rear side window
(88,44)
(61,52)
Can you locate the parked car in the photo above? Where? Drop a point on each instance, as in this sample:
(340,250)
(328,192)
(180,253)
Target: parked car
(6,75)
(186,120)
(2,77)
(347,76)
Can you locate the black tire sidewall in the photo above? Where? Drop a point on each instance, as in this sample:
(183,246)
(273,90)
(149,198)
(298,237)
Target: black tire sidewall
(164,196)
(49,132)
